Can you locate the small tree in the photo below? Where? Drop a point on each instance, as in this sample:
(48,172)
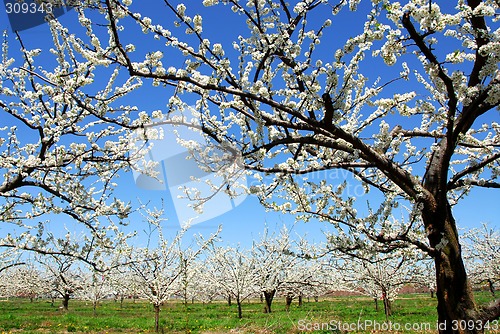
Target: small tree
(95,287)
(159,266)
(27,281)
(231,270)
(275,263)
(482,253)
(64,276)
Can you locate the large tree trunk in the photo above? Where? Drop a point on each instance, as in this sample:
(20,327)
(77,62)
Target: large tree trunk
(65,301)
(268,299)
(456,304)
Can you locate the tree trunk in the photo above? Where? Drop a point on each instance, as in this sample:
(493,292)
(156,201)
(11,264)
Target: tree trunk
(268,298)
(387,308)
(94,307)
(300,300)
(157,318)
(65,301)
(238,302)
(375,299)
(492,287)
(229,301)
(288,301)
(453,291)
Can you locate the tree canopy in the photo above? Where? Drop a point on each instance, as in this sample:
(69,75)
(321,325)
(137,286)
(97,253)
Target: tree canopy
(406,104)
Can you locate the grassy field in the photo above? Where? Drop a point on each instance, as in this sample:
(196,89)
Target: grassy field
(20,315)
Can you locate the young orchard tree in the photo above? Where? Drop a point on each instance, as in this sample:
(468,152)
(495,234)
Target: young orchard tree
(207,290)
(64,276)
(300,102)
(275,264)
(188,282)
(27,281)
(95,286)
(380,276)
(64,263)
(307,277)
(482,249)
(231,270)
(159,265)
(124,284)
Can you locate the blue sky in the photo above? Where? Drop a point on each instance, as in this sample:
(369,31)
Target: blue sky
(246,221)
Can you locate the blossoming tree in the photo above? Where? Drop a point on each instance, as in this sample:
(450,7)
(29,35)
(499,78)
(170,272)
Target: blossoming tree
(95,286)
(64,137)
(380,276)
(275,263)
(297,99)
(482,249)
(231,270)
(158,267)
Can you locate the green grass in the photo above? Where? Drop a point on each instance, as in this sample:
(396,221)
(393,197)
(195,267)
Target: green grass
(20,315)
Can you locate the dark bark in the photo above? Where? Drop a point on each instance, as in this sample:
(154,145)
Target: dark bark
(456,303)
(157,317)
(229,301)
(288,301)
(300,300)
(65,301)
(491,287)
(268,299)
(453,290)
(238,302)
(375,299)
(387,308)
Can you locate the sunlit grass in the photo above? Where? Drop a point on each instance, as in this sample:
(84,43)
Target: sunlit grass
(20,315)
